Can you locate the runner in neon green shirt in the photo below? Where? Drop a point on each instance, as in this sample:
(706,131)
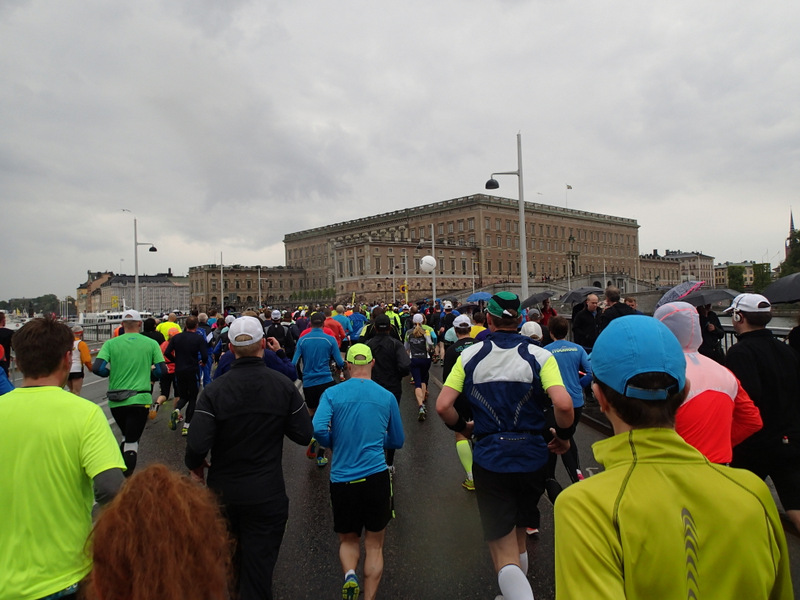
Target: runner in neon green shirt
(130,361)
(46,479)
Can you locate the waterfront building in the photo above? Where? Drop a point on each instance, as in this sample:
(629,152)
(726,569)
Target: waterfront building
(160,293)
(87,296)
(694,266)
(658,270)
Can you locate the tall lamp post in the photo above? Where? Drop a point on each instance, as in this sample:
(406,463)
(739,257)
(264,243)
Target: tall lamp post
(433,273)
(570,257)
(523,244)
(137,300)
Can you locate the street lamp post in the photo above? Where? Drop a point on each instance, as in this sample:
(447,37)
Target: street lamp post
(433,273)
(137,300)
(569,263)
(523,244)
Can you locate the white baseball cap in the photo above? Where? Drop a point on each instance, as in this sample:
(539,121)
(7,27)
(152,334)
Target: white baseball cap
(131,315)
(245,326)
(461,322)
(276,314)
(749,303)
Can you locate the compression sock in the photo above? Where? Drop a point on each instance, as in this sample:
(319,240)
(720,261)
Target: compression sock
(464,451)
(514,584)
(523,562)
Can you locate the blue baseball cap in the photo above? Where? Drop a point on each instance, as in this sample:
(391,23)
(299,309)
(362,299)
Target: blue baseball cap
(636,344)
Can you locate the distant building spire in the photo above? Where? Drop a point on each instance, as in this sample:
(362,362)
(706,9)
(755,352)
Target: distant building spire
(791,234)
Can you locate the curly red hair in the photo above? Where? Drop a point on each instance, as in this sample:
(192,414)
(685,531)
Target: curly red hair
(164,537)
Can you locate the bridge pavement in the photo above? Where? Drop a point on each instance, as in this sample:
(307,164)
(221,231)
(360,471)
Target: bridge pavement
(434,548)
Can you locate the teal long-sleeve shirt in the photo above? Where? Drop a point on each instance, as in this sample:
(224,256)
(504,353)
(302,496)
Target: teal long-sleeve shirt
(357,419)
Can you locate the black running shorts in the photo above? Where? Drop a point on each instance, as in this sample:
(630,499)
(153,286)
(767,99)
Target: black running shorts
(362,504)
(313,393)
(507,500)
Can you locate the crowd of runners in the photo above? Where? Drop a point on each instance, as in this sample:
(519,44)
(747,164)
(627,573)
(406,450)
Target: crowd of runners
(682,483)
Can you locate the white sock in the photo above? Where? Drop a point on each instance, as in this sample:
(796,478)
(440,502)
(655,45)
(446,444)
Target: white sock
(350,572)
(186,425)
(130,447)
(514,584)
(523,562)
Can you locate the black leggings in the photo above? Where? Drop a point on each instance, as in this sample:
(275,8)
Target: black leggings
(569,458)
(131,421)
(186,388)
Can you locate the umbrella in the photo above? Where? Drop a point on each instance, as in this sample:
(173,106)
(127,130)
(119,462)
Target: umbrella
(679,291)
(478,296)
(467,308)
(537,298)
(786,289)
(579,294)
(702,297)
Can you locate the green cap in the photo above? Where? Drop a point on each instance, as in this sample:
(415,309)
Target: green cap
(504,304)
(359,354)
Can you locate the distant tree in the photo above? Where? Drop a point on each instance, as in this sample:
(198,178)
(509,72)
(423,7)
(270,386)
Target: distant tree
(761,277)
(736,278)
(792,262)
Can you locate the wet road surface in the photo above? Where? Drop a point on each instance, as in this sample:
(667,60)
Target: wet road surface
(434,548)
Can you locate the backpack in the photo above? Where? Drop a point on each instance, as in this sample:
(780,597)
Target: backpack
(280,331)
(418,346)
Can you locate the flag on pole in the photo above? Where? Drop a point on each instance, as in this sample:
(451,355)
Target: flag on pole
(569,187)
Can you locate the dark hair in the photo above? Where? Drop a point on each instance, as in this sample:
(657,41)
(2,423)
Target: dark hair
(646,413)
(559,327)
(191,322)
(504,322)
(194,312)
(150,324)
(192,532)
(612,293)
(479,317)
(757,319)
(40,346)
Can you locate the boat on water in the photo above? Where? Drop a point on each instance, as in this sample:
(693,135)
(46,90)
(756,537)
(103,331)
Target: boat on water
(107,317)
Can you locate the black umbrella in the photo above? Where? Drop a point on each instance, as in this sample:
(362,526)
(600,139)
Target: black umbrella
(784,290)
(579,294)
(702,297)
(537,298)
(467,308)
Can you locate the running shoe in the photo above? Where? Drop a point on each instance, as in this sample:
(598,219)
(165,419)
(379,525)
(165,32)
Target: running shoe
(185,430)
(532,531)
(174,417)
(579,475)
(153,410)
(423,413)
(468,484)
(321,461)
(311,451)
(350,589)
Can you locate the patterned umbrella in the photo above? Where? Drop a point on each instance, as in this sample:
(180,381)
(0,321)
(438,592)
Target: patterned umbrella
(679,291)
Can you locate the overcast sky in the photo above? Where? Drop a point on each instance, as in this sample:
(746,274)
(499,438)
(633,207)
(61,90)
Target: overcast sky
(225,125)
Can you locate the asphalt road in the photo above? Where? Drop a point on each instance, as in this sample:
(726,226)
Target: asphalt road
(434,548)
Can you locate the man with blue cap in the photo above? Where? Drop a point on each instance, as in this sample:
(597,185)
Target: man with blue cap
(661,521)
